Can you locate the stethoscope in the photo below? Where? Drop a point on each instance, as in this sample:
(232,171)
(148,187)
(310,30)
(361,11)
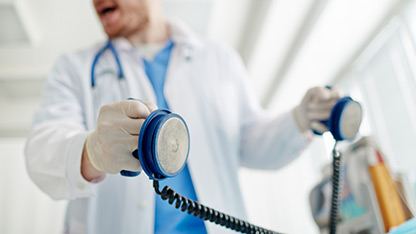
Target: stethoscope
(187,50)
(109,46)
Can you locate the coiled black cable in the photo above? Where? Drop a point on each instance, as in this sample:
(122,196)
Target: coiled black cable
(336,174)
(206,213)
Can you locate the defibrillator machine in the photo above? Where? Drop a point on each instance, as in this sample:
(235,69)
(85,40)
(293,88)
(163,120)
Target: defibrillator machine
(163,149)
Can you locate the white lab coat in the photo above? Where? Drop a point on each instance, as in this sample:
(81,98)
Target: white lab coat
(206,84)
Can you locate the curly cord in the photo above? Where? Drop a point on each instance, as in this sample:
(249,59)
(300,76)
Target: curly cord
(336,174)
(206,213)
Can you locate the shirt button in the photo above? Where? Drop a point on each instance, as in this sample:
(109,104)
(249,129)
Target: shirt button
(143,205)
(81,185)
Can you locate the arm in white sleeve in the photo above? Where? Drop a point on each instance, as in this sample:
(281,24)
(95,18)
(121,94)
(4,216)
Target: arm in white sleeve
(267,142)
(54,147)
(271,143)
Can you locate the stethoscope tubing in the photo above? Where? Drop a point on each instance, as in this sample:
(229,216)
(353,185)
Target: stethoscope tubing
(109,46)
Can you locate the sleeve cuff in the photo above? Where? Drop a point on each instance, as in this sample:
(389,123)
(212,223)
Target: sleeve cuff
(79,186)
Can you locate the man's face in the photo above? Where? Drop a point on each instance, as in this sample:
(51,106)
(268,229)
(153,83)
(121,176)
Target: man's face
(122,17)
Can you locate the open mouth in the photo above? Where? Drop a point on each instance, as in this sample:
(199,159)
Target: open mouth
(107,10)
(109,13)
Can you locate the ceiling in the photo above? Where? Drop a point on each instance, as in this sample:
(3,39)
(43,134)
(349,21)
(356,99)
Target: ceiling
(287,46)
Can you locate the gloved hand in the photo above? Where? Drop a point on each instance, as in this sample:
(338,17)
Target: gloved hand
(111,144)
(315,106)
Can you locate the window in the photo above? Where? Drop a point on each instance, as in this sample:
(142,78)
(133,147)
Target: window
(383,79)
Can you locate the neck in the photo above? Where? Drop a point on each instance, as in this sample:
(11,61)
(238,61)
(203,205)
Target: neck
(152,33)
(155,30)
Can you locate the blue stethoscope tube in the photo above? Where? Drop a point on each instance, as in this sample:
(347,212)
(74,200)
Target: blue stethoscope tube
(109,46)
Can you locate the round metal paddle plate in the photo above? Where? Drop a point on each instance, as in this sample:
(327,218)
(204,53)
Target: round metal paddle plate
(350,120)
(173,145)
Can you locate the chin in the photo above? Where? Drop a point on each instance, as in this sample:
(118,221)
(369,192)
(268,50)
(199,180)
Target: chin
(113,32)
(122,29)
(112,35)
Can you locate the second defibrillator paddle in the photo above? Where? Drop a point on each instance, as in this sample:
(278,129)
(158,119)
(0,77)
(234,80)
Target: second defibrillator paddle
(343,123)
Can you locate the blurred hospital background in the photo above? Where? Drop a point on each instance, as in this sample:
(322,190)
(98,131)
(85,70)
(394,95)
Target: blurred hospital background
(366,48)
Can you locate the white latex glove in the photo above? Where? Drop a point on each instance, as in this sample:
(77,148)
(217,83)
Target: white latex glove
(316,106)
(111,144)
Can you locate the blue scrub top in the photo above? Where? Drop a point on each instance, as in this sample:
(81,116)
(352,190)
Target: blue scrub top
(168,219)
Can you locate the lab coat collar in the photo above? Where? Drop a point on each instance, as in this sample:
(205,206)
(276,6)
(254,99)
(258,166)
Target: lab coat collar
(180,34)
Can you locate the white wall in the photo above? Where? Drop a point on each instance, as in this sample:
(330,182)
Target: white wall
(383,79)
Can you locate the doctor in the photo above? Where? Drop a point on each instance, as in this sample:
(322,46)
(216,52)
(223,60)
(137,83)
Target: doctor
(85,130)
